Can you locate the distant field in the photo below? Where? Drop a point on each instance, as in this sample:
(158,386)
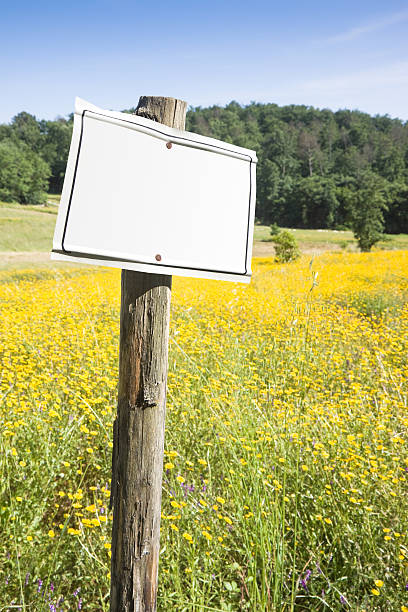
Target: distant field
(29,229)
(331,239)
(26,228)
(54,198)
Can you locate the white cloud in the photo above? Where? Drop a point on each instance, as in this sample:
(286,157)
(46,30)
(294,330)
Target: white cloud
(381,90)
(386,76)
(380,24)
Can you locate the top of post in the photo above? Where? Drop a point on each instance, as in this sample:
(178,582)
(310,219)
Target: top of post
(168,111)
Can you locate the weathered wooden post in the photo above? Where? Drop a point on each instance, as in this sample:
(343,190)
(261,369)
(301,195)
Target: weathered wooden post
(146,197)
(138,438)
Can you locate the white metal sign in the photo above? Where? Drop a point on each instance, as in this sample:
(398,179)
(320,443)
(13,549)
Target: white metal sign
(142,196)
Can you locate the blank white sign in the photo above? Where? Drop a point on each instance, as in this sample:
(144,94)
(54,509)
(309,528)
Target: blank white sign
(142,196)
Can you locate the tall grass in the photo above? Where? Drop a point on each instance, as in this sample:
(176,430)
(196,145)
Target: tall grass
(286,459)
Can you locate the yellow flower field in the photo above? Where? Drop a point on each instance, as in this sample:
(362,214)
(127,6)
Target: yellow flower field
(286,466)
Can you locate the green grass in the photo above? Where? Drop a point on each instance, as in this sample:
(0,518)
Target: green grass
(31,228)
(26,228)
(48,209)
(327,239)
(43,267)
(54,198)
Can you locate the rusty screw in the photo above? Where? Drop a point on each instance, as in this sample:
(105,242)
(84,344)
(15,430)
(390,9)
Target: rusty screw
(169,145)
(158,257)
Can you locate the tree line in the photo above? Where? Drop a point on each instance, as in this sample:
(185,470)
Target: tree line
(319,168)
(33,156)
(316,168)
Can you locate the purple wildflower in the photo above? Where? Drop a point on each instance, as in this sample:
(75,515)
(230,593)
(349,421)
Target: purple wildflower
(76,592)
(40,583)
(343,600)
(27,578)
(305,579)
(80,604)
(52,587)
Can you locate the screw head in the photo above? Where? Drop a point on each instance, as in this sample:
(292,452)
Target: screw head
(169,145)
(157,257)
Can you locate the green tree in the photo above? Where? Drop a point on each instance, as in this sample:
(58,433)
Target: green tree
(54,150)
(367,205)
(309,150)
(317,201)
(396,217)
(23,174)
(26,128)
(311,161)
(275,229)
(275,203)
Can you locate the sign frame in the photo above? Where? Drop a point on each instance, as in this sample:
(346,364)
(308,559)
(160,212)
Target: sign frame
(84,109)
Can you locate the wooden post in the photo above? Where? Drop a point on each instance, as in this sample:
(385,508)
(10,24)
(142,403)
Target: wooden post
(138,435)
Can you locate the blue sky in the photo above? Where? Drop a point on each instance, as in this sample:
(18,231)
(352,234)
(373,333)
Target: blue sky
(349,54)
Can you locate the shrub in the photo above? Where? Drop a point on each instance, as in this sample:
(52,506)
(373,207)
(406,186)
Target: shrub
(275,229)
(286,247)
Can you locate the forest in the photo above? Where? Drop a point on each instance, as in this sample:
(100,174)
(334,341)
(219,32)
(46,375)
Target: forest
(316,169)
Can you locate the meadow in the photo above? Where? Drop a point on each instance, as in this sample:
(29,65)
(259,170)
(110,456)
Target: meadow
(286,464)
(26,229)
(329,240)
